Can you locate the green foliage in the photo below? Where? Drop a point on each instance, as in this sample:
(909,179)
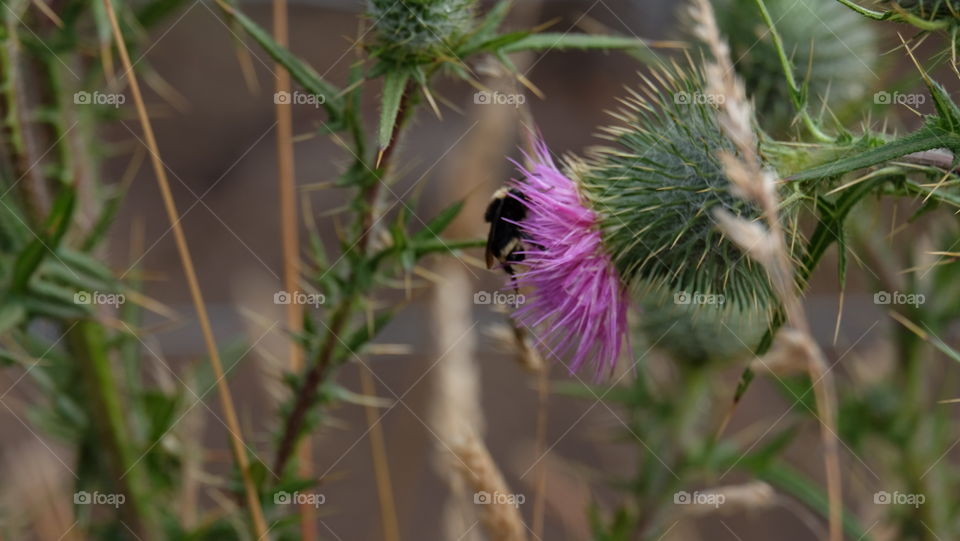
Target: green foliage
(654,188)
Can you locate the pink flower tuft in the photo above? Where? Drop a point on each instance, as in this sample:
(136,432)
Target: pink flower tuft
(576,300)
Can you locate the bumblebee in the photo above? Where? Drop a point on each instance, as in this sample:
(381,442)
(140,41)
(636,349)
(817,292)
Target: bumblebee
(505,240)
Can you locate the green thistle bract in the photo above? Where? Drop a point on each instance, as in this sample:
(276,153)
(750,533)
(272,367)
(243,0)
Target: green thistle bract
(655,193)
(418,31)
(833,49)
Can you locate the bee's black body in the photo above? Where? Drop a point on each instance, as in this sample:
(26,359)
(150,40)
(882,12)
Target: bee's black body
(505,240)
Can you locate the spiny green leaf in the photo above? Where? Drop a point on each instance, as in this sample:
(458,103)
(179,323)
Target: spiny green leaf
(926,138)
(394,85)
(300,71)
(11,315)
(439,223)
(794,483)
(55,227)
(448,245)
(489,24)
(27,262)
(561,42)
(361,336)
(155,11)
(947,111)
(497,43)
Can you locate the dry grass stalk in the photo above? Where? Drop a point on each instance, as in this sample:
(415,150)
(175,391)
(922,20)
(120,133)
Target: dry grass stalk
(513,339)
(501,520)
(787,355)
(455,412)
(769,248)
(456,416)
(733,500)
(236,440)
(457,419)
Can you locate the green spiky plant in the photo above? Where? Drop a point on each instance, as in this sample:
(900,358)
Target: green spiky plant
(56,213)
(419,31)
(662,415)
(655,186)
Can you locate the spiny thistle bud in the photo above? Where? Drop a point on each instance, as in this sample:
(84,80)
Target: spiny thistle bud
(698,329)
(417,31)
(656,192)
(833,48)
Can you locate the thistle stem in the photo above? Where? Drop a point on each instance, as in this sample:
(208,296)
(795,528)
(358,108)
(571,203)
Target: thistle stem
(87,343)
(317,373)
(796,95)
(869,13)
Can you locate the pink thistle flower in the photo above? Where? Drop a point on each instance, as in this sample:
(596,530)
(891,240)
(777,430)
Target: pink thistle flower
(576,299)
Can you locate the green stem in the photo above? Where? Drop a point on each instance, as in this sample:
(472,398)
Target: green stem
(795,484)
(796,95)
(318,372)
(869,13)
(87,342)
(926,138)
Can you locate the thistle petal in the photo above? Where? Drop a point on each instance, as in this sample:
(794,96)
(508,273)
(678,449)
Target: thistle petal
(577,304)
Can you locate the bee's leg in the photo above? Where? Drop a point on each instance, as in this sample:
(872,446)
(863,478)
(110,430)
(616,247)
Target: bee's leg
(513,280)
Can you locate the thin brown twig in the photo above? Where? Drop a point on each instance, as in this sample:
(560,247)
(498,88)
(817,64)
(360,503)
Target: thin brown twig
(233,424)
